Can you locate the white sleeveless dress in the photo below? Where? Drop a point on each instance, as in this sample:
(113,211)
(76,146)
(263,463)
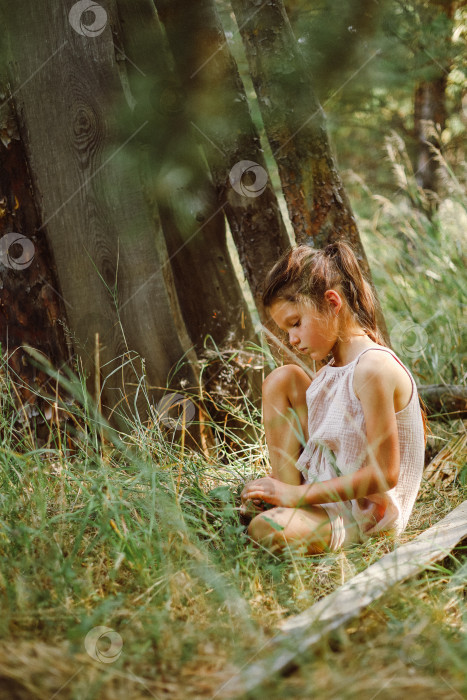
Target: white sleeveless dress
(338,445)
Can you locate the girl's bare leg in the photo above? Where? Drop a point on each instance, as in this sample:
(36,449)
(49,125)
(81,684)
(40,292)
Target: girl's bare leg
(308,529)
(285,419)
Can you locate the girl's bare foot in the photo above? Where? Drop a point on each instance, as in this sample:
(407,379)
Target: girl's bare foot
(248,509)
(251,507)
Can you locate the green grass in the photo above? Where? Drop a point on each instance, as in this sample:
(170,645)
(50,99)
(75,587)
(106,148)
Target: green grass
(140,534)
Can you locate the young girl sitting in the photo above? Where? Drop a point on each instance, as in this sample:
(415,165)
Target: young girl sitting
(360,422)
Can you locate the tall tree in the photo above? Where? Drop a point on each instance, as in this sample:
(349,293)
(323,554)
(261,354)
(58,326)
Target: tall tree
(178,183)
(430,94)
(421,58)
(109,254)
(429,121)
(219,112)
(295,124)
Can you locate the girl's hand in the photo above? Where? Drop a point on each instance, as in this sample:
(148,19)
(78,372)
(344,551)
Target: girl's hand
(272,491)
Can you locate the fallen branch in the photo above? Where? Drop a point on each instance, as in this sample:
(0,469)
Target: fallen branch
(302,631)
(448,462)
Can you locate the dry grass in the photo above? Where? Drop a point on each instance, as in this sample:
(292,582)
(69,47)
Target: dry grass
(193,602)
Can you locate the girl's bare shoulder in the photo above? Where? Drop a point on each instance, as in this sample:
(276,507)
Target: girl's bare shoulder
(383,364)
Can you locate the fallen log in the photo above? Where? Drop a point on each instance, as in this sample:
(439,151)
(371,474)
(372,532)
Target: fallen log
(299,632)
(448,400)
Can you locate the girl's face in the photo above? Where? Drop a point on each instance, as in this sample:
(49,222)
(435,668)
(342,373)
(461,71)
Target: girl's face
(309,331)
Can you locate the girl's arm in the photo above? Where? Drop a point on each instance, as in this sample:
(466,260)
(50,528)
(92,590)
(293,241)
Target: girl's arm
(375,390)
(374,386)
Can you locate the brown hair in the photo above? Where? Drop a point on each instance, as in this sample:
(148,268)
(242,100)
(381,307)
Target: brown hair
(305,272)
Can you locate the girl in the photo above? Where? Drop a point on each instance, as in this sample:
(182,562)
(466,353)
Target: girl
(359,420)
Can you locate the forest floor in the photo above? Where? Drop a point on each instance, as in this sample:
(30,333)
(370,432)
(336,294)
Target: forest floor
(127,574)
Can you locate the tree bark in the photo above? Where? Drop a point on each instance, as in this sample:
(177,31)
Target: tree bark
(430,103)
(220,115)
(31,306)
(107,251)
(192,215)
(429,119)
(295,124)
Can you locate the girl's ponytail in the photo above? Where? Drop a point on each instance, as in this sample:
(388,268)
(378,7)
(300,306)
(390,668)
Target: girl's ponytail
(357,290)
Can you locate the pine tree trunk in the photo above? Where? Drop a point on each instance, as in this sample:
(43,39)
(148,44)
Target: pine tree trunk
(296,128)
(222,121)
(108,253)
